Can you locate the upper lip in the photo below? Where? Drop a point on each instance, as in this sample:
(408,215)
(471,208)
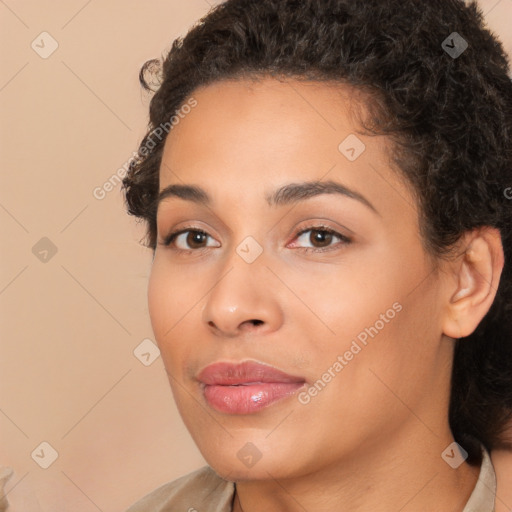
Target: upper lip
(246,372)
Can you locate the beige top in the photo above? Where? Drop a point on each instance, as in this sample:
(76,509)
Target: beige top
(204,491)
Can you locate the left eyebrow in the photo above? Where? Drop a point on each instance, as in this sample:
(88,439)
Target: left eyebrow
(294,192)
(287,194)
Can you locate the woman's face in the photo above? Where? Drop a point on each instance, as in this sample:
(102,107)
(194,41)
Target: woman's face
(354,316)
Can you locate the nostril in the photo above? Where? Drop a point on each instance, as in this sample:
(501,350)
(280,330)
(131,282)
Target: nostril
(256,322)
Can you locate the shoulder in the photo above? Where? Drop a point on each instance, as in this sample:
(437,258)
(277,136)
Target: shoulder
(502,462)
(483,497)
(202,490)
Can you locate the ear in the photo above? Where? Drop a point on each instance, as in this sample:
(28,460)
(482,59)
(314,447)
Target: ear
(476,273)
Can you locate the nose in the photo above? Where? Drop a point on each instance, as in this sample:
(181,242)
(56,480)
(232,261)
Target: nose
(242,301)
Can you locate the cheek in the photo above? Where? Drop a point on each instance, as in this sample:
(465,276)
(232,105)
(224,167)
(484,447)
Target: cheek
(344,302)
(375,313)
(171,296)
(168,311)
(386,348)
(159,300)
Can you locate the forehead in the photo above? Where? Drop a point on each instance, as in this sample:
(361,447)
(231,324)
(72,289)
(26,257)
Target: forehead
(256,135)
(268,113)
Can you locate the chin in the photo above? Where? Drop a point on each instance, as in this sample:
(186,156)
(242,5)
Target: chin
(230,468)
(239,459)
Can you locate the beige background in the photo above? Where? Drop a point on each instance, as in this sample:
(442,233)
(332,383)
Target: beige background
(70,324)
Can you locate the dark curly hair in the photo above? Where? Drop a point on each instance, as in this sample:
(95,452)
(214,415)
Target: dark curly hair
(449,115)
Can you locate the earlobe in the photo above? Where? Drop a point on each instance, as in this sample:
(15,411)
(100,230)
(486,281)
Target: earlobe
(477,275)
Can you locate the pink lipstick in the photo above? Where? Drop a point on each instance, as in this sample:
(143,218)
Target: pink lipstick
(246,387)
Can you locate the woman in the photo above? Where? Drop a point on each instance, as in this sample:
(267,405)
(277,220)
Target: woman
(324,184)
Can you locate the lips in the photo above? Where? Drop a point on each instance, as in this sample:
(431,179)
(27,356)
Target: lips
(246,387)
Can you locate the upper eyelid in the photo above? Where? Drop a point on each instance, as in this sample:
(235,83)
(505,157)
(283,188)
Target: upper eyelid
(181,231)
(318,223)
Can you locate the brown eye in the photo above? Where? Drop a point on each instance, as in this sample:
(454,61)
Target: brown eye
(320,238)
(191,239)
(194,239)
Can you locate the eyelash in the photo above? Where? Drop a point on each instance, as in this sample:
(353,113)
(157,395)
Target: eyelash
(322,229)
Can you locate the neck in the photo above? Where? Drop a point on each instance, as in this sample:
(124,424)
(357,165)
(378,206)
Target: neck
(408,477)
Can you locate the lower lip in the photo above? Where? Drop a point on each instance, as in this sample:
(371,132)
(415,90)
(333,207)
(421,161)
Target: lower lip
(249,398)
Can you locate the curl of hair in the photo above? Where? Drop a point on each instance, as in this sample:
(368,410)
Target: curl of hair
(450,120)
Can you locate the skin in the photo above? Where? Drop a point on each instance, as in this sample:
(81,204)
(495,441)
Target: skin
(372,439)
